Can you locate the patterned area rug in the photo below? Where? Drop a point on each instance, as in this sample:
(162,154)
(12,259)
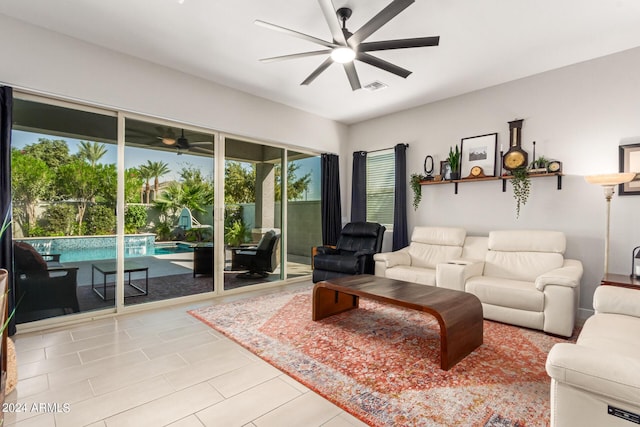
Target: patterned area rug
(381,363)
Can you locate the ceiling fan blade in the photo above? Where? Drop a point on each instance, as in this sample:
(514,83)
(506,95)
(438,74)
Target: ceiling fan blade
(374,24)
(330,16)
(317,71)
(399,44)
(295,33)
(295,55)
(383,65)
(352,75)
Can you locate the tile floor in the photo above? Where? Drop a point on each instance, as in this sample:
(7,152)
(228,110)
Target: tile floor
(156,368)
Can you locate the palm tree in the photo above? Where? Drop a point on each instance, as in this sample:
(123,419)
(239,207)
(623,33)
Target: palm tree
(157,169)
(91,151)
(146,175)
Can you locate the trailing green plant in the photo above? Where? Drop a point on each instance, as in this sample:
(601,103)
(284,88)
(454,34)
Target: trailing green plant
(454,159)
(416,178)
(521,185)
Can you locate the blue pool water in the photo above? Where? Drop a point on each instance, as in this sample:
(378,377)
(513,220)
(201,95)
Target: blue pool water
(92,254)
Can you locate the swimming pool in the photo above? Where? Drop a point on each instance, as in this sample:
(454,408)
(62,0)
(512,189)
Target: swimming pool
(87,248)
(93,254)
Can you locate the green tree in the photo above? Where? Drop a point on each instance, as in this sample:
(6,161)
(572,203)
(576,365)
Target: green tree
(101,220)
(132,186)
(296,186)
(146,175)
(135,218)
(157,169)
(54,152)
(84,183)
(240,183)
(59,220)
(91,151)
(31,179)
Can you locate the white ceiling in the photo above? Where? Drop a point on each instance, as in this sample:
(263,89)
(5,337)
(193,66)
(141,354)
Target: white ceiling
(482,43)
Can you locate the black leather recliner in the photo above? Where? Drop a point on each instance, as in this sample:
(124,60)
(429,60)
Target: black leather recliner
(353,253)
(260,260)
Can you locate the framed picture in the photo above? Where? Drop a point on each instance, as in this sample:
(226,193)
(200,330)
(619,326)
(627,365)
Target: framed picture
(445,169)
(478,151)
(629,157)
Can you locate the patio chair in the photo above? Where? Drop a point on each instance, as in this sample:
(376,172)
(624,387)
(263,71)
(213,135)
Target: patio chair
(353,253)
(43,288)
(259,260)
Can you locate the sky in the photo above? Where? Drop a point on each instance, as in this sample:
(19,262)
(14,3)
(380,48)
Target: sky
(135,157)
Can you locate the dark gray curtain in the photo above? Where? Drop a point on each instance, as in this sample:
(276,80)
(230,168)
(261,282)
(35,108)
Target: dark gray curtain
(6,246)
(400,236)
(359,187)
(330,201)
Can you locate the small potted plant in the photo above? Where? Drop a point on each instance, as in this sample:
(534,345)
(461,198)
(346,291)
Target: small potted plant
(416,186)
(454,162)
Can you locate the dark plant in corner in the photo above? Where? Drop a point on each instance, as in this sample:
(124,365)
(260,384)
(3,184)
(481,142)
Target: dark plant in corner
(521,184)
(454,162)
(416,178)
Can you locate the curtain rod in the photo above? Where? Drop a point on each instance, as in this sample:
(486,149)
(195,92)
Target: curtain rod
(384,149)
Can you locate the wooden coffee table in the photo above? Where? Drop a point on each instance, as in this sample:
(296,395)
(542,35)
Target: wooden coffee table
(459,314)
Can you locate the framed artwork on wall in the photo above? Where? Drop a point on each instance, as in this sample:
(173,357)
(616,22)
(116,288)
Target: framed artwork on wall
(445,170)
(629,158)
(478,151)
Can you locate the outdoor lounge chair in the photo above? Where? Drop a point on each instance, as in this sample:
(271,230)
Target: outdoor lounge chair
(259,260)
(44,286)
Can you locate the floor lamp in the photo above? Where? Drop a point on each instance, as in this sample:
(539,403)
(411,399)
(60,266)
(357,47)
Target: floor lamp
(608,182)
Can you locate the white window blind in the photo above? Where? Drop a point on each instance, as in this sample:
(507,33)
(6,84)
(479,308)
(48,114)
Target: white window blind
(380,186)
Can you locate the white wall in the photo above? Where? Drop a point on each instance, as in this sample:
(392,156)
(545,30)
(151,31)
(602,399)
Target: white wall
(579,115)
(47,62)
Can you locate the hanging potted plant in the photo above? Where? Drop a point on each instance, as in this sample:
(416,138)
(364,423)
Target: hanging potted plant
(521,184)
(454,162)
(416,186)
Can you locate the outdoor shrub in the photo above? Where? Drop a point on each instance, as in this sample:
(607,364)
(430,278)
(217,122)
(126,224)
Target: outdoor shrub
(59,220)
(100,220)
(163,231)
(135,218)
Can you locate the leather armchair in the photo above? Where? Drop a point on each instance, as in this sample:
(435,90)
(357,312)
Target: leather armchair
(260,260)
(353,254)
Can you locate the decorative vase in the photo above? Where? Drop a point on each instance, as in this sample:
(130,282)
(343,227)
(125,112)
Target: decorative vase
(455,175)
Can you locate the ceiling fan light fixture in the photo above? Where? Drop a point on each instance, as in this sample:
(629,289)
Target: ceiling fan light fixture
(168,141)
(343,55)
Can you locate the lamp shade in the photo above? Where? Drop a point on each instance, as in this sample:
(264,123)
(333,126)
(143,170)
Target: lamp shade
(610,178)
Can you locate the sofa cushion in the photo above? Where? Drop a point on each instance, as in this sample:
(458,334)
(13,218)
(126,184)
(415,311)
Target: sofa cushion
(519,295)
(445,236)
(612,333)
(527,241)
(428,256)
(475,247)
(423,276)
(525,266)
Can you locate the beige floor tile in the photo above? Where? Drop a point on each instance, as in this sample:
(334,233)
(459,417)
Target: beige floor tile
(144,329)
(94,369)
(85,344)
(47,366)
(246,407)
(168,409)
(33,385)
(204,370)
(131,374)
(293,383)
(35,340)
(169,347)
(189,329)
(307,410)
(190,421)
(242,379)
(344,420)
(30,356)
(101,407)
(206,351)
(95,331)
(119,347)
(43,420)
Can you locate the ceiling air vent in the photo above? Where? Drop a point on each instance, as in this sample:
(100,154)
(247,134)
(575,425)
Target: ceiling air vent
(374,86)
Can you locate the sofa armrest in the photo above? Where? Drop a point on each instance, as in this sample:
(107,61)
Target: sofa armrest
(453,274)
(599,371)
(391,259)
(617,300)
(567,275)
(326,250)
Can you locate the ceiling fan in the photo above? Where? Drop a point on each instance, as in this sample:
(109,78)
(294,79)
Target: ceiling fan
(347,47)
(143,134)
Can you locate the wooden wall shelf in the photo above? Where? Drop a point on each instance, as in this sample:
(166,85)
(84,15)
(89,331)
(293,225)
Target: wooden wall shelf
(503,178)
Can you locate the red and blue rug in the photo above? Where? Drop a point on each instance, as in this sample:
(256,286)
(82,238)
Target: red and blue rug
(381,362)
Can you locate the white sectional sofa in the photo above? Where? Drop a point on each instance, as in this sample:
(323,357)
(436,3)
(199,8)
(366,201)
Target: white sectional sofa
(596,382)
(520,276)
